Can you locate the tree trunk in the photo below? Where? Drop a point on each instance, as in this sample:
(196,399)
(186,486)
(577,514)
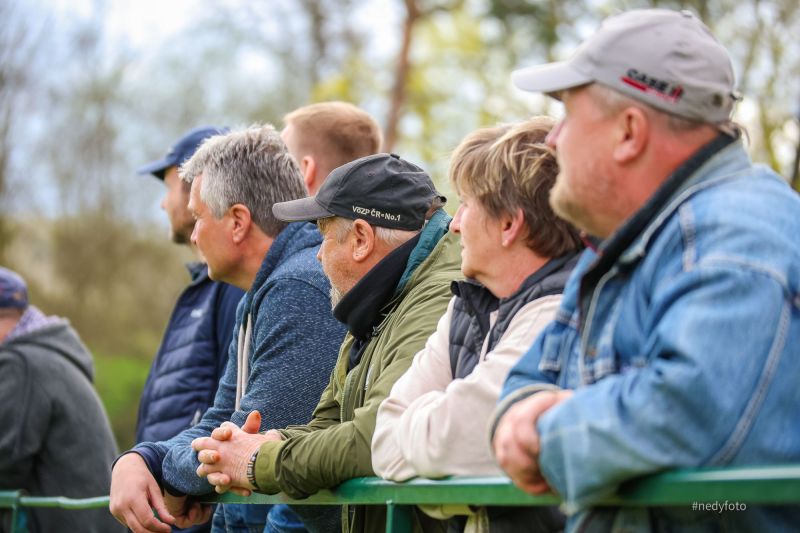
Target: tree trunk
(398,94)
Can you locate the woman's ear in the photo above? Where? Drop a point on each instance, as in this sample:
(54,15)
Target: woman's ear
(512,227)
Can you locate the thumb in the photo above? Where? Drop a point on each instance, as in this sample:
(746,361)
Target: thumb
(158,505)
(253,422)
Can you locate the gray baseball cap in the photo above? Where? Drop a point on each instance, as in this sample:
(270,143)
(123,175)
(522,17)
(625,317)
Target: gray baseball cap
(667,59)
(383,189)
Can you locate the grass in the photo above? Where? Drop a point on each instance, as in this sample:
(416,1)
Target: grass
(119,380)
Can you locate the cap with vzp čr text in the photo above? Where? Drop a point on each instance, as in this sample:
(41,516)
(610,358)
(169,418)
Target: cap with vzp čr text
(382,189)
(667,59)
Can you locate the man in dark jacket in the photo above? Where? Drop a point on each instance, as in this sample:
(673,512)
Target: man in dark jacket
(184,375)
(194,350)
(56,439)
(286,337)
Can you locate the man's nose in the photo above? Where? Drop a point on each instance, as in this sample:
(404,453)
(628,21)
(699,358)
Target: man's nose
(552,137)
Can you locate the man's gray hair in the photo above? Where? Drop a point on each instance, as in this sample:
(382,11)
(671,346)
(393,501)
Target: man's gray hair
(392,238)
(614,101)
(250,167)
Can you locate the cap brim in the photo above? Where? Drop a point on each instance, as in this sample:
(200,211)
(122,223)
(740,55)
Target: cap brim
(299,210)
(549,78)
(156,168)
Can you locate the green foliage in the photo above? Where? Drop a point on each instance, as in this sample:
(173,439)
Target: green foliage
(97,109)
(119,379)
(117,287)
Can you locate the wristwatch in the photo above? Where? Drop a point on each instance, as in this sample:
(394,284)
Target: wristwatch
(251,469)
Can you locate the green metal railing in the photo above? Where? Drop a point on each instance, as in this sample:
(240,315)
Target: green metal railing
(768,485)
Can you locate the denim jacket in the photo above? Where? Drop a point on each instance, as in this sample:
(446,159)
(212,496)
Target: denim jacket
(680,336)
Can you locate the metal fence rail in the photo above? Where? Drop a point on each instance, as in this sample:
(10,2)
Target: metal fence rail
(779,484)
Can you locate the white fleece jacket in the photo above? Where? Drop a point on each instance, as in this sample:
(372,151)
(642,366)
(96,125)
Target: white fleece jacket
(432,425)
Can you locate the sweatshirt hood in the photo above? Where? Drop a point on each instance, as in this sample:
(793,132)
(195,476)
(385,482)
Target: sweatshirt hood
(58,338)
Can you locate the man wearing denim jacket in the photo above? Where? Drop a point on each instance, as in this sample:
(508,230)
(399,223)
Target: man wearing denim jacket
(676,341)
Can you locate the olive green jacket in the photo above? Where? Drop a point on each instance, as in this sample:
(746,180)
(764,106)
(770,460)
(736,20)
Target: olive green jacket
(335,445)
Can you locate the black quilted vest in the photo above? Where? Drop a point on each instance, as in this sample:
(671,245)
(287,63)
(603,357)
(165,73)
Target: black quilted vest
(469,326)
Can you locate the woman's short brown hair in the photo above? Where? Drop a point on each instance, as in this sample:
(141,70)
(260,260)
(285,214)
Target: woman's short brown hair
(506,168)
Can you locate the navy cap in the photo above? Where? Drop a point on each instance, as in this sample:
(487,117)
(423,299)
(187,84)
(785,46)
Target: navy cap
(382,189)
(181,150)
(13,291)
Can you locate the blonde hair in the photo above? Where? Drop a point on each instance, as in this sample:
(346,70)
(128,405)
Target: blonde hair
(338,132)
(507,168)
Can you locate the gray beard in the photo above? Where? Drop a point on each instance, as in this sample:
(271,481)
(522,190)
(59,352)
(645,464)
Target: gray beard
(336,297)
(179,237)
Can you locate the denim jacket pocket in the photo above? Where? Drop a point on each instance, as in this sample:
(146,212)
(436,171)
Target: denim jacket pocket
(557,343)
(599,356)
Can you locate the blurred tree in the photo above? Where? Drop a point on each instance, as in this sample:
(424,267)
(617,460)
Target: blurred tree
(19,40)
(80,109)
(757,33)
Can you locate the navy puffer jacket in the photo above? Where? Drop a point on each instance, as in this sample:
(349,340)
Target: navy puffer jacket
(191,359)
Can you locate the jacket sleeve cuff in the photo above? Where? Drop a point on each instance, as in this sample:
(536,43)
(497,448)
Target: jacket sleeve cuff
(151,458)
(172,491)
(266,461)
(516,396)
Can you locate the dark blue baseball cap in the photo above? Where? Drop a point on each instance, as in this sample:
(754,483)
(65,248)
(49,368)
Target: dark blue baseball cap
(13,291)
(181,150)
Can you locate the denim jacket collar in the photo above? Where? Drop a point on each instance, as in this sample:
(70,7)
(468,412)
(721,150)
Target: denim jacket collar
(724,163)
(629,243)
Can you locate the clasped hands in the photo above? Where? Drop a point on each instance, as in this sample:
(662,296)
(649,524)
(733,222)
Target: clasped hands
(516,442)
(224,455)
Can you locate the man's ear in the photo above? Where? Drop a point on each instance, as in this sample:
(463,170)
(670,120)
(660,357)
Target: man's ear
(512,227)
(632,134)
(241,221)
(308,166)
(362,240)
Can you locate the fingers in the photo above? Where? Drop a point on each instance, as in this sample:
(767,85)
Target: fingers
(134,495)
(205,443)
(157,504)
(196,513)
(145,524)
(219,479)
(222,433)
(253,422)
(208,457)
(149,525)
(516,448)
(204,470)
(241,491)
(526,438)
(533,486)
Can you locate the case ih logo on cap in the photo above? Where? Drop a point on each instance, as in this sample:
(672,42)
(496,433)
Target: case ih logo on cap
(648,84)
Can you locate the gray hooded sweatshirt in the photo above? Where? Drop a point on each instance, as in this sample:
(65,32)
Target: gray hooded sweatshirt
(55,438)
